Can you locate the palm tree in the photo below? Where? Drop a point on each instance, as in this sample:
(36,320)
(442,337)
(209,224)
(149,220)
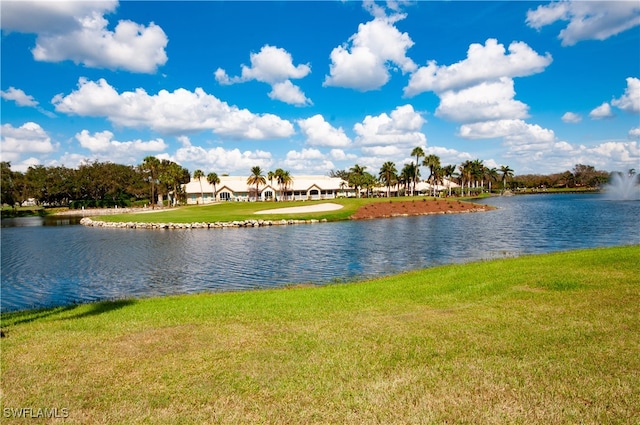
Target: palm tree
(465,175)
(198,174)
(477,171)
(213,179)
(492,175)
(151,167)
(417,152)
(449,171)
(284,180)
(356,177)
(407,175)
(388,175)
(256,178)
(506,173)
(433,162)
(438,176)
(172,176)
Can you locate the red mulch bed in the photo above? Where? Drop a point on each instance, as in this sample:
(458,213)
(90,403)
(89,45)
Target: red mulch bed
(416,207)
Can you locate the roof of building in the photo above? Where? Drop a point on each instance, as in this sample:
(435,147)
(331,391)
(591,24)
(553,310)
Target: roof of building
(238,184)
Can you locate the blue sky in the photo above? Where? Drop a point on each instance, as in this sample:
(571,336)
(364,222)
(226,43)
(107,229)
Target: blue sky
(317,86)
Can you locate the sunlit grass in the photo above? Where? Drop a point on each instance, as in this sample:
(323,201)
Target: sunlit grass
(237,211)
(541,339)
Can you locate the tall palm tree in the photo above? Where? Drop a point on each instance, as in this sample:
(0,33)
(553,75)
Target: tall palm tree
(477,172)
(171,177)
(492,175)
(449,171)
(356,177)
(407,175)
(433,162)
(438,176)
(213,179)
(418,152)
(198,174)
(256,178)
(284,179)
(388,175)
(151,168)
(465,175)
(506,173)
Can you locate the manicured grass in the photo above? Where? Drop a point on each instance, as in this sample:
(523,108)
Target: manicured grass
(232,211)
(549,339)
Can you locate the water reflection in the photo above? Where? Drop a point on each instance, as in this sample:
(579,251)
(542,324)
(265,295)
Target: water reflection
(59,265)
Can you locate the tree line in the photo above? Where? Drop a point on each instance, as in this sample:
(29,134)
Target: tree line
(473,175)
(95,184)
(105,184)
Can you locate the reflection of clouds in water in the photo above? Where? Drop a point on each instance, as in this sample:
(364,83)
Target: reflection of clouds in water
(59,265)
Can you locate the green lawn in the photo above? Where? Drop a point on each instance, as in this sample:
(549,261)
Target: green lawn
(549,339)
(238,211)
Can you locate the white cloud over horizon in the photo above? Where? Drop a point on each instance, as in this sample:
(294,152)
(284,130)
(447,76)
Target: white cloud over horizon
(587,20)
(180,111)
(78,31)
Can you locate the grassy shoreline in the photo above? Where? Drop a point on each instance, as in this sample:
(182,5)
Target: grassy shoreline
(240,211)
(548,338)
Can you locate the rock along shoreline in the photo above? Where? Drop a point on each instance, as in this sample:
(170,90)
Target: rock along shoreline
(87,221)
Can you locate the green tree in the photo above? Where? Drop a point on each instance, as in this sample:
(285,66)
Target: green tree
(198,175)
(151,169)
(418,152)
(506,173)
(388,175)
(284,181)
(433,162)
(491,175)
(407,175)
(256,178)
(172,177)
(448,172)
(357,178)
(213,179)
(7,185)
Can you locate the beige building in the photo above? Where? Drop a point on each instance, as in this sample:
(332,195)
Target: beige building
(235,188)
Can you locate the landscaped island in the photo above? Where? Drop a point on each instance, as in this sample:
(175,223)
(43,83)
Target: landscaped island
(537,339)
(283,213)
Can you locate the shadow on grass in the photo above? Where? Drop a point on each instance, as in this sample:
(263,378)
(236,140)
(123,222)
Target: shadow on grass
(87,310)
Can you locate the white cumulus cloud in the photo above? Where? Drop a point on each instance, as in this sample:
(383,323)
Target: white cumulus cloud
(483,63)
(308,161)
(26,139)
(571,117)
(220,160)
(18,96)
(274,66)
(630,100)
(402,127)
(364,63)
(319,132)
(78,31)
(180,111)
(587,20)
(601,112)
(103,141)
(483,102)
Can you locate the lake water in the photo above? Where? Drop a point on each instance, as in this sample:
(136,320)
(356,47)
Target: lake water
(57,262)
